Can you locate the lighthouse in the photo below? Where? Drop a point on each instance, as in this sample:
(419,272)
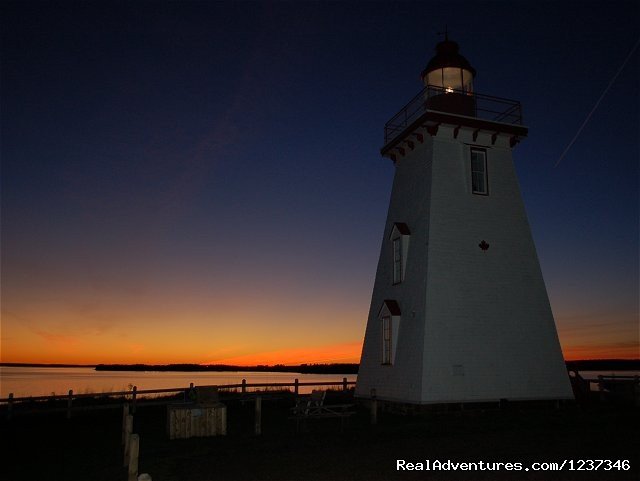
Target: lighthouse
(459,311)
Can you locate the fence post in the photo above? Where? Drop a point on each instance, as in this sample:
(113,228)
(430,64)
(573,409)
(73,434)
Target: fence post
(69,402)
(601,388)
(134,447)
(244,386)
(295,386)
(10,406)
(128,429)
(133,401)
(125,413)
(258,427)
(189,395)
(344,383)
(374,407)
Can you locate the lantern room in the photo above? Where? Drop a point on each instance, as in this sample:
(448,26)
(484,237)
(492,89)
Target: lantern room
(448,79)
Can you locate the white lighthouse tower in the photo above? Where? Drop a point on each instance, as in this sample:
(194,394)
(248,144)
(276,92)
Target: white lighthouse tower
(459,311)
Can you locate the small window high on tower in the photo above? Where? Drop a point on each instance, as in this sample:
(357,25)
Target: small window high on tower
(479,180)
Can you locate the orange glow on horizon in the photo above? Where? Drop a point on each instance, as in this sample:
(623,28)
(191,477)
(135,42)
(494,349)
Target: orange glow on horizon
(135,354)
(349,352)
(336,353)
(582,338)
(580,353)
(238,334)
(242,331)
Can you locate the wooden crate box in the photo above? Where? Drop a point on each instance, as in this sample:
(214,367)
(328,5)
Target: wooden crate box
(187,421)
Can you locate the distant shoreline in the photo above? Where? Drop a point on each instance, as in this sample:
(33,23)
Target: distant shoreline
(604,365)
(343,368)
(31,364)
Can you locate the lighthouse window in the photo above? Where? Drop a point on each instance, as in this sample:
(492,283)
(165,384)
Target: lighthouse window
(397,260)
(479,184)
(386,340)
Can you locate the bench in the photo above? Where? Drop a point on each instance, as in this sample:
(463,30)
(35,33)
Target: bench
(313,407)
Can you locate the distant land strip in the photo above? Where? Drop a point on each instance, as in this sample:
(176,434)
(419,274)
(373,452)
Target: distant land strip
(31,364)
(604,365)
(301,368)
(344,368)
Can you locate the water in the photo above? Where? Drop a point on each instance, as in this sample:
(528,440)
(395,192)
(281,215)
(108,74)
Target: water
(593,375)
(44,381)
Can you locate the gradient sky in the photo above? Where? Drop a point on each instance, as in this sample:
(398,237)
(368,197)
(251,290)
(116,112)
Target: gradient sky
(202,182)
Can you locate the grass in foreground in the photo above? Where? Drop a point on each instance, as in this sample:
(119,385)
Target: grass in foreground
(88,446)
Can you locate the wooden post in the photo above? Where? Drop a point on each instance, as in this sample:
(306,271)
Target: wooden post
(134,447)
(189,396)
(127,440)
(601,388)
(133,400)
(258,427)
(295,386)
(344,383)
(374,407)
(10,406)
(125,413)
(69,402)
(187,393)
(244,386)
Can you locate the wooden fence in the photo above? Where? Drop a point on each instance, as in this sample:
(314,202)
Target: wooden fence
(134,395)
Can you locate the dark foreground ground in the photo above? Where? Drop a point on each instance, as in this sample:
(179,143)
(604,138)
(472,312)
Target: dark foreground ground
(88,446)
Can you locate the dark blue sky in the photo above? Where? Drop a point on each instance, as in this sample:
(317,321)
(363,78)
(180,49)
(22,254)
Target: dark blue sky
(214,168)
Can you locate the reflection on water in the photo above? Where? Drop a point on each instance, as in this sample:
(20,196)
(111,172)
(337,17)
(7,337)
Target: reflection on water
(43,381)
(593,376)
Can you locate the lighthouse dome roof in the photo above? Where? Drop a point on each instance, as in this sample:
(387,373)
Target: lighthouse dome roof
(447,55)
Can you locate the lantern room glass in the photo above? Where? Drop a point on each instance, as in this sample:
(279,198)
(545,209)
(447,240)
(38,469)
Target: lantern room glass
(451,79)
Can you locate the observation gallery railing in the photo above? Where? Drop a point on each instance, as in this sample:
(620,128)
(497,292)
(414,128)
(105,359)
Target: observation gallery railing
(481,106)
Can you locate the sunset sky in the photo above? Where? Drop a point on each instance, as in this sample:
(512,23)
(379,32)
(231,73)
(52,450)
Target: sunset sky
(202,183)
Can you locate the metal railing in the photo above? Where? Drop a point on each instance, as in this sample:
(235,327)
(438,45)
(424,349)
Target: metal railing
(485,107)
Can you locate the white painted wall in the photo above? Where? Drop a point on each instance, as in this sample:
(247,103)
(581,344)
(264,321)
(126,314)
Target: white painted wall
(410,204)
(476,325)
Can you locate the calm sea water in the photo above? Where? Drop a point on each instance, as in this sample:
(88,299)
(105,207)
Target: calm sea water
(43,381)
(593,375)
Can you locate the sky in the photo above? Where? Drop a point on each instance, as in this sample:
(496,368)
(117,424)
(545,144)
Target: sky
(201,182)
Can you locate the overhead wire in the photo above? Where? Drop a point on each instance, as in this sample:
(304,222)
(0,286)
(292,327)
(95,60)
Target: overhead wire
(586,120)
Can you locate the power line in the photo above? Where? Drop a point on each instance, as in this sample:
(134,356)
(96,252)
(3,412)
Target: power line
(597,103)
